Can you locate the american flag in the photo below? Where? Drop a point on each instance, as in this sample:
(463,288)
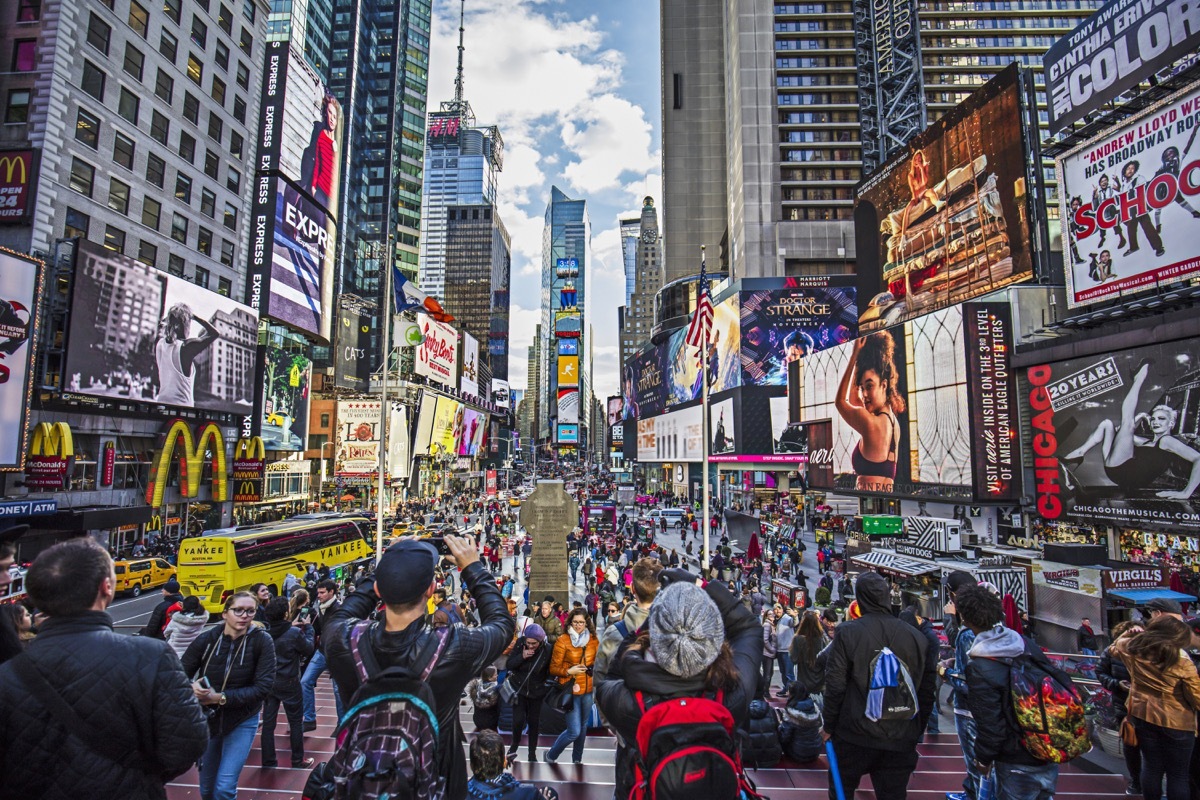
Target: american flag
(697,334)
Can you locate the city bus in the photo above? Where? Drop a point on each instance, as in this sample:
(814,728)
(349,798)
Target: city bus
(229,560)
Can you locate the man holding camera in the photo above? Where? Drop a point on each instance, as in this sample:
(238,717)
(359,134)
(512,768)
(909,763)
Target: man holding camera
(404,582)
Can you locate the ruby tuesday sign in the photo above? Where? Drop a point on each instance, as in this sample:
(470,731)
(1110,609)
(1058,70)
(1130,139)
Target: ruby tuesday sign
(437,355)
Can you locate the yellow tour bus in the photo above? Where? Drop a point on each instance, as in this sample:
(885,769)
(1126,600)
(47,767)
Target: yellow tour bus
(228,560)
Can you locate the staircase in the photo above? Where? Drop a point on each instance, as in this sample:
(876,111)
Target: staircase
(940,769)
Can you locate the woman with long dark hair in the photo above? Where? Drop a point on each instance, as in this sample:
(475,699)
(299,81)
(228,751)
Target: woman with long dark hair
(572,661)
(1164,696)
(807,645)
(869,400)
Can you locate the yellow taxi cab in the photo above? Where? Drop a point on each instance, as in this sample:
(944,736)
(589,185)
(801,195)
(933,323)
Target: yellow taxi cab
(407,529)
(142,574)
(514,501)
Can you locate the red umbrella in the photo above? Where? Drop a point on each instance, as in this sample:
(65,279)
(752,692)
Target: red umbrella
(754,549)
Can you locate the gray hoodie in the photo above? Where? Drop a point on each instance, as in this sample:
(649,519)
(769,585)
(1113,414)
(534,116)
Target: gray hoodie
(999,642)
(183,629)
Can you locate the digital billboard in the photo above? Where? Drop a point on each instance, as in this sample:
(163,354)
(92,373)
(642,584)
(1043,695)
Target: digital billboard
(674,436)
(469,383)
(568,434)
(425,418)
(568,370)
(568,405)
(682,364)
(946,220)
(501,393)
(20,290)
(474,424)
(136,333)
(993,405)
(358,437)
(352,361)
(399,454)
(1131,204)
(568,347)
(568,323)
(643,385)
(1116,436)
(1112,51)
(447,426)
(897,404)
(615,410)
(18,170)
(285,398)
(437,355)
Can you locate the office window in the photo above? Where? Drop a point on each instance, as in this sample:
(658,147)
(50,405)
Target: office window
(202,277)
(76,224)
(179,228)
(239,110)
(114,238)
(246,42)
(195,70)
(183,188)
(156,170)
(225,19)
(87,128)
(93,80)
(243,76)
(191,108)
(224,286)
(236,144)
(231,216)
(204,238)
(118,196)
(123,151)
(24,58)
(168,46)
(208,203)
(226,253)
(139,18)
(221,56)
(175,264)
(135,61)
(216,126)
(248,10)
(233,180)
(17,109)
(173,9)
(212,164)
(199,32)
(187,147)
(164,86)
(128,105)
(147,253)
(99,32)
(218,90)
(160,127)
(29,10)
(151,212)
(83,177)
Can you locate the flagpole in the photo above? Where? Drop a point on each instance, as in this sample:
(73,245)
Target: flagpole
(389,308)
(704,427)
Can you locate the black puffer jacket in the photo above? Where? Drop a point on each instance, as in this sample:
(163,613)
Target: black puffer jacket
(528,675)
(130,689)
(800,730)
(158,617)
(848,672)
(250,662)
(760,738)
(1110,672)
(617,696)
(990,701)
(293,644)
(466,652)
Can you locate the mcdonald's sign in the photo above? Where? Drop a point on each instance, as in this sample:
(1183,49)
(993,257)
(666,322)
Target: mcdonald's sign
(51,454)
(249,466)
(16,168)
(191,462)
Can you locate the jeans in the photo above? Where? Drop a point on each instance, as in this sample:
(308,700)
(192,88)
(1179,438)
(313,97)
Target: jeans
(222,762)
(1023,782)
(1165,751)
(577,718)
(786,673)
(308,687)
(966,737)
(889,770)
(293,705)
(526,709)
(768,673)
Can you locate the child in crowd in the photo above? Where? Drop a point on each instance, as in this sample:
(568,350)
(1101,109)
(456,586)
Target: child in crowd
(485,696)
(489,779)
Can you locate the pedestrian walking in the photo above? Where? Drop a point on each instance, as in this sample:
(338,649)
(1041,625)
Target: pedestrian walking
(528,669)
(572,662)
(293,643)
(186,624)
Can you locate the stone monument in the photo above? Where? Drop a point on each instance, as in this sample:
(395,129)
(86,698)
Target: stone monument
(549,514)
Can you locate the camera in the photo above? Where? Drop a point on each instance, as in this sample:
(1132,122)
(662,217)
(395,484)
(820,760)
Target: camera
(439,543)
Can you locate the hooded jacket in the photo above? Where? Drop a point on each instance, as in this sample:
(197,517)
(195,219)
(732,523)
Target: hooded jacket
(506,787)
(183,629)
(293,644)
(617,696)
(552,625)
(610,642)
(249,663)
(800,730)
(989,699)
(761,748)
(158,617)
(848,672)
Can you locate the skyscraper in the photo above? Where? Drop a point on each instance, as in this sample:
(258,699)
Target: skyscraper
(309,25)
(479,262)
(648,279)
(630,230)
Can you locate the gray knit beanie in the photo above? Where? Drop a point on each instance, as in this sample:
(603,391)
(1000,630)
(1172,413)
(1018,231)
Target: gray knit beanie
(686,631)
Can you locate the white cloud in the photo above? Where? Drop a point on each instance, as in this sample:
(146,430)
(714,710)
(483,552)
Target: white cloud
(610,139)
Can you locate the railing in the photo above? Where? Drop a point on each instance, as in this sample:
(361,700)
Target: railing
(1081,668)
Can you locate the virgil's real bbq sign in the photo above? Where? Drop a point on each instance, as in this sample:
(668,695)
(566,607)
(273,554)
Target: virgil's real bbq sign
(988,329)
(1115,49)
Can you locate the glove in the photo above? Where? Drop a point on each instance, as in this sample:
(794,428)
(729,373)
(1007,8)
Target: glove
(669,576)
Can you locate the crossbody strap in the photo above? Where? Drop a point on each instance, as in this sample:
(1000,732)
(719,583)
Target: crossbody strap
(99,743)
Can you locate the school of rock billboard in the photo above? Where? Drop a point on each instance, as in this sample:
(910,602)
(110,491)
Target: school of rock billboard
(294,225)
(136,333)
(20,292)
(1131,204)
(947,219)
(1116,436)
(674,436)
(1122,44)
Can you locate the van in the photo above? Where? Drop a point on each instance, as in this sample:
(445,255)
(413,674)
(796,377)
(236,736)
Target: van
(142,574)
(673,516)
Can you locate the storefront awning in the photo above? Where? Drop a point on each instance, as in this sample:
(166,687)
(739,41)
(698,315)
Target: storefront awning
(1143,596)
(890,562)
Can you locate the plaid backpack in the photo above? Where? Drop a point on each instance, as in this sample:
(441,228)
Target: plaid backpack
(386,743)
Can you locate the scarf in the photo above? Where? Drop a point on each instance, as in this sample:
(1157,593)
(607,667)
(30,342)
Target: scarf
(581,639)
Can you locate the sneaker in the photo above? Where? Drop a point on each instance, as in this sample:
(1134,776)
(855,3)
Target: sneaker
(512,755)
(549,759)
(303,763)
(1133,789)
(310,726)
(957,796)
(533,758)
(270,764)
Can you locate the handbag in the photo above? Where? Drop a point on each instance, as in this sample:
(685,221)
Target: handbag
(507,692)
(1128,733)
(559,695)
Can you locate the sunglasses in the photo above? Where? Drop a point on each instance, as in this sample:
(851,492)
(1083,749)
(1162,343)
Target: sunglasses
(242,612)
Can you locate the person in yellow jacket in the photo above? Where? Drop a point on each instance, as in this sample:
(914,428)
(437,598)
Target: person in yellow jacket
(573,658)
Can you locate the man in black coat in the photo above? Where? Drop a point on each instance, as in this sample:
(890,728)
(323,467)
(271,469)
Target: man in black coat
(87,712)
(404,581)
(158,617)
(887,749)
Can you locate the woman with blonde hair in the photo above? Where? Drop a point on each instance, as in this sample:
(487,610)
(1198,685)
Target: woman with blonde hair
(297,604)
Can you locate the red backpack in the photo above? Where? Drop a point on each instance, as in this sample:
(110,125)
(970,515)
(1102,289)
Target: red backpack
(687,749)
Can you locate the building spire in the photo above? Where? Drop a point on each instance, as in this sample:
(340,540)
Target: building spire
(458,77)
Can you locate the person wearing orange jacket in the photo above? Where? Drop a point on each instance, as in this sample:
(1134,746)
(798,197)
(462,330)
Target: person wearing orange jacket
(572,661)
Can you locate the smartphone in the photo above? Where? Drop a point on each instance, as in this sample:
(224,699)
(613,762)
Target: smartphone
(205,683)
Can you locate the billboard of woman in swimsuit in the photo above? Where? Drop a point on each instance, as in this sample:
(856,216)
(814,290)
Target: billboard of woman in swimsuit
(869,400)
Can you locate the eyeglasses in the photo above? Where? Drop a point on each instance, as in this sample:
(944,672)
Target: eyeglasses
(242,612)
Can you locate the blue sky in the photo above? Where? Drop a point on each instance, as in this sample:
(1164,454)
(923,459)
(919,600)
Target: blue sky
(574,87)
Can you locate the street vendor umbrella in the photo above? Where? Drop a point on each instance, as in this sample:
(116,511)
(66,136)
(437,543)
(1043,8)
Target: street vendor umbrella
(754,549)
(346,498)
